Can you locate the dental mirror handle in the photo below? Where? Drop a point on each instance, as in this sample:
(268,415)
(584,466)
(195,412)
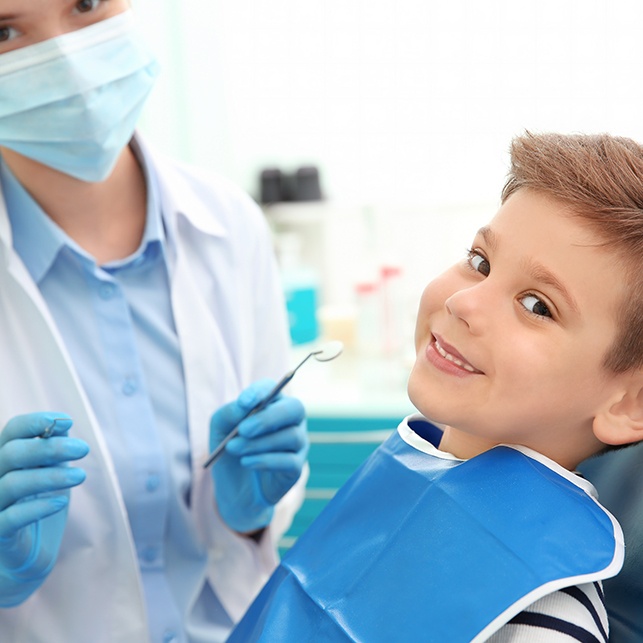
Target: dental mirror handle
(259,407)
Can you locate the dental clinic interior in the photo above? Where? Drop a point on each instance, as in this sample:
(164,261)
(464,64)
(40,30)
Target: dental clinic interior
(374,138)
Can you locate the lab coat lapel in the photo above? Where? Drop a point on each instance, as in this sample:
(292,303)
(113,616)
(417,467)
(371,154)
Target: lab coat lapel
(210,375)
(42,377)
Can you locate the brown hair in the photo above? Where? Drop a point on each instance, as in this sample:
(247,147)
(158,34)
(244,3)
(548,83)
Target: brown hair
(600,178)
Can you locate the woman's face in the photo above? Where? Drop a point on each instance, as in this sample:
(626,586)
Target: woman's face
(25,22)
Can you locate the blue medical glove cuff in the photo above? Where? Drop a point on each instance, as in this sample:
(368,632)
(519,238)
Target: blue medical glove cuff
(18,583)
(14,551)
(12,595)
(248,520)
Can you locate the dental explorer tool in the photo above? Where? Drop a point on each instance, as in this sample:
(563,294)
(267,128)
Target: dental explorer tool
(325,354)
(51,427)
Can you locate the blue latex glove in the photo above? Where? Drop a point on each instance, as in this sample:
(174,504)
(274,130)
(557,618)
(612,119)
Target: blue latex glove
(263,462)
(34,495)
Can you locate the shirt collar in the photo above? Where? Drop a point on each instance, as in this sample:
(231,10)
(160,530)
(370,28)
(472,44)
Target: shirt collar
(38,240)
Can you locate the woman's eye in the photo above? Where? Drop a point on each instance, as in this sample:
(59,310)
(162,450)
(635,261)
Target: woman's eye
(535,306)
(85,6)
(7,34)
(478,263)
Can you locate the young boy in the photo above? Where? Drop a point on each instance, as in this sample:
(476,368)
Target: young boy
(529,355)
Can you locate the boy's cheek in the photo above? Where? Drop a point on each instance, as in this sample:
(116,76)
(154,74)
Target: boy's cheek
(436,292)
(433,302)
(423,316)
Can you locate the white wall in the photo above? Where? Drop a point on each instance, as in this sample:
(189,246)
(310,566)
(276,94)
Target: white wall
(407,106)
(405,100)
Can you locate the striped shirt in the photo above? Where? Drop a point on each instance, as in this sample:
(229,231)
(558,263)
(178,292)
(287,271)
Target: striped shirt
(568,615)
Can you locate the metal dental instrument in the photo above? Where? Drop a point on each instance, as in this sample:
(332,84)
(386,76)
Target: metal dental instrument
(325,354)
(50,428)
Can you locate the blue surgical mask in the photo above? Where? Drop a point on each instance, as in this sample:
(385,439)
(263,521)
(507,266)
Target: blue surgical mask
(72,102)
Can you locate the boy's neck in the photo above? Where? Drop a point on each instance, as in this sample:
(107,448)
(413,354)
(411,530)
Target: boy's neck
(464,445)
(106,219)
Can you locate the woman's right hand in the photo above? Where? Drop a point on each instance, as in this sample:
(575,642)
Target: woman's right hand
(34,497)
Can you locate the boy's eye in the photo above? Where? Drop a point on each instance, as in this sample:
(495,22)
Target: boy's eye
(478,263)
(85,6)
(535,306)
(7,33)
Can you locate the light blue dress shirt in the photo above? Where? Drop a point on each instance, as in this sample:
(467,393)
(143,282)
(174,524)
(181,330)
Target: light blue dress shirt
(117,323)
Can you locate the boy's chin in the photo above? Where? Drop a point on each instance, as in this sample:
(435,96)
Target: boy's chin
(428,404)
(430,411)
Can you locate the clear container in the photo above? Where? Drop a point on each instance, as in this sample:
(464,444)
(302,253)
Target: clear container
(301,289)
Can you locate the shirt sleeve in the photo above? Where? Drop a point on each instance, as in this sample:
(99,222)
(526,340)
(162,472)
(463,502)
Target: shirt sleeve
(571,614)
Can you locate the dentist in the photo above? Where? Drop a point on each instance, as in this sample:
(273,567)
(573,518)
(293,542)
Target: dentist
(140,318)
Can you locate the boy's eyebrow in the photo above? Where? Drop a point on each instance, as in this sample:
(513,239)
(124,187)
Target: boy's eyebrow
(544,276)
(536,271)
(489,236)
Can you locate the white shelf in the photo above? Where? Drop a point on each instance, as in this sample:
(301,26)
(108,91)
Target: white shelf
(351,386)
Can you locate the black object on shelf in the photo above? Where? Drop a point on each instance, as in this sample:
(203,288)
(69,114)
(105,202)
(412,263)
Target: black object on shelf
(307,186)
(302,185)
(272,185)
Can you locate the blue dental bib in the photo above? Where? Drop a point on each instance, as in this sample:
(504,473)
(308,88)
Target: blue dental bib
(420,547)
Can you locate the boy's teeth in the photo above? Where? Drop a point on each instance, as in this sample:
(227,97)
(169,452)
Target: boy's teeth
(455,360)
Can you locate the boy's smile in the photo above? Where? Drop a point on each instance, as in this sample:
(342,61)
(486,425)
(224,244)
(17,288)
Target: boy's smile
(510,343)
(444,357)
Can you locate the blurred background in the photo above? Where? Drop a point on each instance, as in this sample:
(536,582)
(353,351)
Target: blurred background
(405,101)
(405,109)
(374,134)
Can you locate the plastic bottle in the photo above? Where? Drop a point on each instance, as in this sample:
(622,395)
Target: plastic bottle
(369,327)
(301,289)
(392,297)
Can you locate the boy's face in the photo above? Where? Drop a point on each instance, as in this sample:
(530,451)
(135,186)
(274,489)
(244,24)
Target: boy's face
(510,342)
(25,22)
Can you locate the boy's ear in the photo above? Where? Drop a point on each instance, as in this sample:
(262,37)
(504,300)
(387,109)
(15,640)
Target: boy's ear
(621,420)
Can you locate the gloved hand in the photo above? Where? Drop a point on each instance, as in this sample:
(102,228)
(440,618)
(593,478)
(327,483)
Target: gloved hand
(34,484)
(263,462)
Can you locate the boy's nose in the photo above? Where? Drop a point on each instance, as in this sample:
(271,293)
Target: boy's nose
(469,306)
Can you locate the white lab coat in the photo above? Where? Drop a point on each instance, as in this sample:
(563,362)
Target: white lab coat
(231,325)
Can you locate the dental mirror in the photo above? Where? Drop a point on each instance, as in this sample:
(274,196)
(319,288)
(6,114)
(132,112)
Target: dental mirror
(325,354)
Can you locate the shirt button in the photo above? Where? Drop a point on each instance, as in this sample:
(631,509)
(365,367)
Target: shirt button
(106,290)
(169,636)
(130,386)
(152,483)
(149,554)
